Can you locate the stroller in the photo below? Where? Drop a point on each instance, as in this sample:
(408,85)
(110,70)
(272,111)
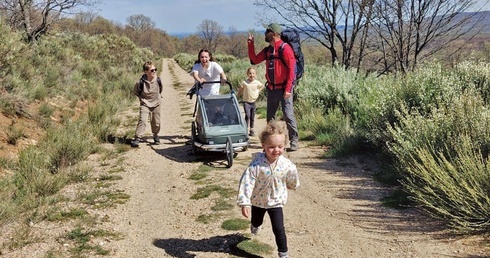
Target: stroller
(218,125)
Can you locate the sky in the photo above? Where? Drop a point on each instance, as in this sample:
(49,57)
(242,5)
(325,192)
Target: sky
(184,16)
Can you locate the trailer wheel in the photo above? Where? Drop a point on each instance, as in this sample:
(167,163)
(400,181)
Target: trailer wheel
(194,137)
(229,152)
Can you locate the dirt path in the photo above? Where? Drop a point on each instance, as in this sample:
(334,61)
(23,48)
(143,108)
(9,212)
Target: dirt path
(335,213)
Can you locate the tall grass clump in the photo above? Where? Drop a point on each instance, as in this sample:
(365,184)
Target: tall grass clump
(453,189)
(68,145)
(35,178)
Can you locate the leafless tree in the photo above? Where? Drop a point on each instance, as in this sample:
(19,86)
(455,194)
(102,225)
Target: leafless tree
(338,25)
(212,34)
(35,17)
(412,30)
(191,44)
(140,22)
(236,43)
(85,17)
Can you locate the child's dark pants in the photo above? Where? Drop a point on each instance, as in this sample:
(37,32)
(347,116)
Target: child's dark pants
(249,108)
(277,221)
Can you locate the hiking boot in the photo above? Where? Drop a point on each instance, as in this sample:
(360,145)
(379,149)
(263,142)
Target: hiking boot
(135,143)
(293,147)
(283,254)
(255,230)
(156,140)
(252,133)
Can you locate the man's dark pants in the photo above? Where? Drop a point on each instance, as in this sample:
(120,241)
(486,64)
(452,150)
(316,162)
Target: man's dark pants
(276,97)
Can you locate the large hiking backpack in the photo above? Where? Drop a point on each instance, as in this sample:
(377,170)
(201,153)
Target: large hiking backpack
(289,36)
(142,84)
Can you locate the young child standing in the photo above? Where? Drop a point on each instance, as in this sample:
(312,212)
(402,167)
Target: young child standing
(250,88)
(263,185)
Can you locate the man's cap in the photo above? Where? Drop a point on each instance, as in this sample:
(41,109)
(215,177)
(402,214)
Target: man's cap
(274,27)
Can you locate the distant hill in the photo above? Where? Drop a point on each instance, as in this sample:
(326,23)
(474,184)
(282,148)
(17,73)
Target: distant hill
(186,34)
(180,34)
(482,18)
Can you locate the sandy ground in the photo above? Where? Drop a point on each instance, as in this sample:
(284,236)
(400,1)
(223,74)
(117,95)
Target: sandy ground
(335,213)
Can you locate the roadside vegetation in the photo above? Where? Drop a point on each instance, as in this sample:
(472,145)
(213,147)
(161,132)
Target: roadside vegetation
(67,88)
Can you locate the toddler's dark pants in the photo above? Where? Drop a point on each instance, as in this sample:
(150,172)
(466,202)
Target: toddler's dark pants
(277,221)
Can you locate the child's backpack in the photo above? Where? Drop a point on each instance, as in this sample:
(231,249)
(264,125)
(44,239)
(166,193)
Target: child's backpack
(291,37)
(142,84)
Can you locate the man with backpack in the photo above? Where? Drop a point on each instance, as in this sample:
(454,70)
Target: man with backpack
(280,75)
(148,89)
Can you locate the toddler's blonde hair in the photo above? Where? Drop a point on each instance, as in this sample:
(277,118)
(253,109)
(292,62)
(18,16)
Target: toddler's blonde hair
(274,127)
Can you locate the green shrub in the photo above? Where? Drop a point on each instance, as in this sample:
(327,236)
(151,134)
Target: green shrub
(235,224)
(185,61)
(11,47)
(34,177)
(453,189)
(46,110)
(14,134)
(253,246)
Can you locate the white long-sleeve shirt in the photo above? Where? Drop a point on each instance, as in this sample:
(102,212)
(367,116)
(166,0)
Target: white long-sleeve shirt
(266,188)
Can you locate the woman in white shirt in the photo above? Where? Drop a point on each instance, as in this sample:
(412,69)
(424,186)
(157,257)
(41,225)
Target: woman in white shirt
(205,69)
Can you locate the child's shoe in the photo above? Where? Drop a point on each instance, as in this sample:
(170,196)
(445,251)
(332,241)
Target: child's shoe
(252,132)
(255,230)
(283,254)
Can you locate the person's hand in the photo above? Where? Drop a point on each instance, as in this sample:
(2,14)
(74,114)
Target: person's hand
(287,94)
(246,211)
(250,37)
(223,81)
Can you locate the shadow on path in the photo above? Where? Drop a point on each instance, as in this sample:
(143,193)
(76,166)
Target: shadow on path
(179,150)
(218,244)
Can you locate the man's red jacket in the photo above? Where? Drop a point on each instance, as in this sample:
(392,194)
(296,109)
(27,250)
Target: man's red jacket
(283,74)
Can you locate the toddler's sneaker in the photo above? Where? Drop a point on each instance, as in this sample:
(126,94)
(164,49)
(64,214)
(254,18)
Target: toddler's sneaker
(255,230)
(283,254)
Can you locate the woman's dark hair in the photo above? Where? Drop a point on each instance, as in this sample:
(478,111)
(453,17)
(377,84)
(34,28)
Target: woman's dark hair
(199,56)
